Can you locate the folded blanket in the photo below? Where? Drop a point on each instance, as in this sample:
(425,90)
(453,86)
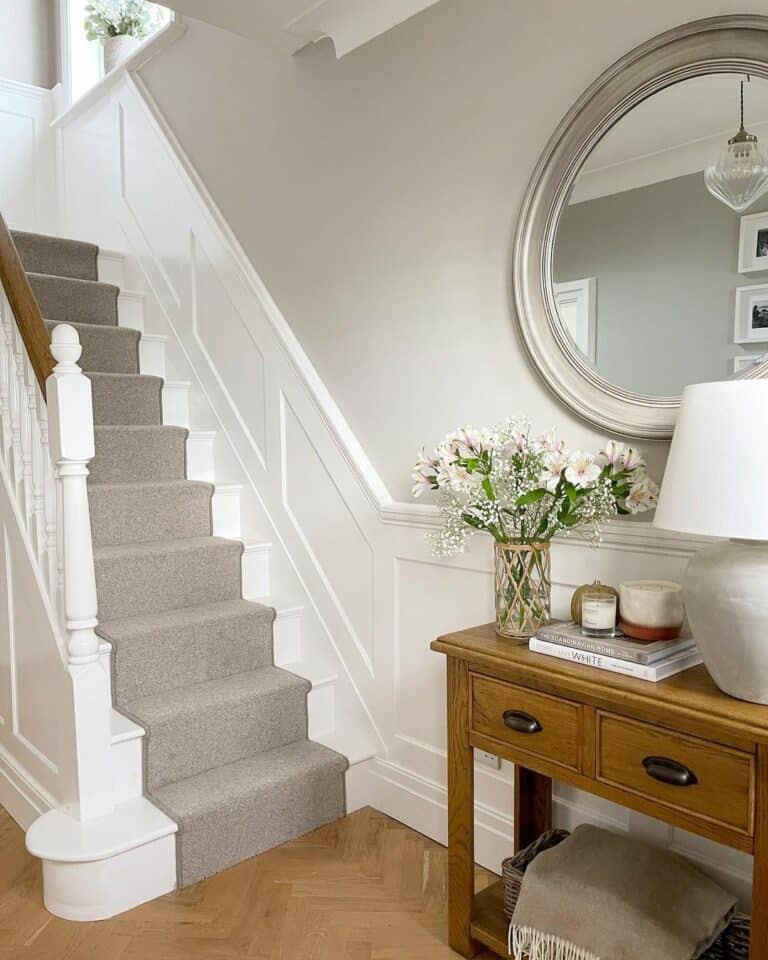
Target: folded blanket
(605,896)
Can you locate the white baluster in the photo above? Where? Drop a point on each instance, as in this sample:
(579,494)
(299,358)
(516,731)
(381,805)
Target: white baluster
(51,561)
(13,405)
(6,442)
(25,422)
(36,403)
(70,414)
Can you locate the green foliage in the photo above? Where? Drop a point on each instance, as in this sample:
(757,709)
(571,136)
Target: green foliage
(115,18)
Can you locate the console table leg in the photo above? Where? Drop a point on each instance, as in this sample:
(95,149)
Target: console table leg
(533,806)
(758,944)
(461,812)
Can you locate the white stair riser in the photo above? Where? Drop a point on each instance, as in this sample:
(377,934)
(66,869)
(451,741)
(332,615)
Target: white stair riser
(176,404)
(111,268)
(99,889)
(127,769)
(200,457)
(287,638)
(255,570)
(152,355)
(130,310)
(321,705)
(225,511)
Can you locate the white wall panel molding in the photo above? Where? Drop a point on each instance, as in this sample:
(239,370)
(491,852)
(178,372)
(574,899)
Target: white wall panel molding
(359,556)
(28,156)
(351,23)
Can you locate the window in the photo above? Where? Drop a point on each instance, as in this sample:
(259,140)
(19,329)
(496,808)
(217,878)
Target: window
(83,59)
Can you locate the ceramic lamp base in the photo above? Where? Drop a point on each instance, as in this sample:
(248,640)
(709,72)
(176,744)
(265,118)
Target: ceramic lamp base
(726,596)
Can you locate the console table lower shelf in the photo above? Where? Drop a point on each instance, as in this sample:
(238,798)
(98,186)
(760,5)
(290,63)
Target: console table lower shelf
(679,750)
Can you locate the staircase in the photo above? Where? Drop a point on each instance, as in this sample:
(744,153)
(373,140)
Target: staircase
(224,731)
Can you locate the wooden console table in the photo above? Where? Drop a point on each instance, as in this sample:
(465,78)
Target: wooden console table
(679,750)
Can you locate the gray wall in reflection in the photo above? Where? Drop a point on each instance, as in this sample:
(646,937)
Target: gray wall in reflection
(665,258)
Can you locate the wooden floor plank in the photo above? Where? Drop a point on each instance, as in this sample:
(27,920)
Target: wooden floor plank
(364,888)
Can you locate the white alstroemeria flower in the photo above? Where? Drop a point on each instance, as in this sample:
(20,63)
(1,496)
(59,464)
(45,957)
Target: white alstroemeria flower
(552,444)
(554,464)
(582,469)
(424,474)
(632,459)
(471,443)
(642,496)
(613,452)
(455,476)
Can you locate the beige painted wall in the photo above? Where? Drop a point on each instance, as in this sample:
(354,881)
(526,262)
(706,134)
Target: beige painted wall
(28,41)
(378,195)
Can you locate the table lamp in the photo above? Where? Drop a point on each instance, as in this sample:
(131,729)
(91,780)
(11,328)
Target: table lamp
(716,484)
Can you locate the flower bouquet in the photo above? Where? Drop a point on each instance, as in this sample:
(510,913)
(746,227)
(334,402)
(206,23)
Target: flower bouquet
(524,489)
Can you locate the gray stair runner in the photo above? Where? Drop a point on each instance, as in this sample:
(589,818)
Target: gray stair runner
(226,752)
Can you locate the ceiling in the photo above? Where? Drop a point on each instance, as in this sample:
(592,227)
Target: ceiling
(292,24)
(675,132)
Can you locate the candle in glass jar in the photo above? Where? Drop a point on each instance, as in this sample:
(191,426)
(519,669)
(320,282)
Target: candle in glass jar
(598,614)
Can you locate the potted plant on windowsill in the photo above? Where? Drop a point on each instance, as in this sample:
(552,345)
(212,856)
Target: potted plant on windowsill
(120,26)
(524,489)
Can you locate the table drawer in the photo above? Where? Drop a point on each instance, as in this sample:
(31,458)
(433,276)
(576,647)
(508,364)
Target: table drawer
(707,780)
(541,725)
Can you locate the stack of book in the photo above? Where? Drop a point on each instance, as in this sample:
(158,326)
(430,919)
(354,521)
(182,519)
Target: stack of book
(646,661)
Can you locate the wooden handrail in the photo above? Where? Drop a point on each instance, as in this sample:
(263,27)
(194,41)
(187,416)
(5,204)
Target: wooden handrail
(24,307)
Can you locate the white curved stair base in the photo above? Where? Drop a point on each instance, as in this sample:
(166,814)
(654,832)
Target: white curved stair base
(97,869)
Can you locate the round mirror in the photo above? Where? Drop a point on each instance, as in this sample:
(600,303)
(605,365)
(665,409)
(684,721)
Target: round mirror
(641,261)
(646,269)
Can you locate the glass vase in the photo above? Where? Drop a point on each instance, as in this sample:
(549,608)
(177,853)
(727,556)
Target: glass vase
(523,587)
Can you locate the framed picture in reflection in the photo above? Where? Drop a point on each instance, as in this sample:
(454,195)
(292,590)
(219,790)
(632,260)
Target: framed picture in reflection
(751,314)
(753,243)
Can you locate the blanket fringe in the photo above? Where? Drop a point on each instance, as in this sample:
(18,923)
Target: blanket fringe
(526,943)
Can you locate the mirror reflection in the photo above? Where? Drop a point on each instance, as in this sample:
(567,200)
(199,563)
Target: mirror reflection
(660,268)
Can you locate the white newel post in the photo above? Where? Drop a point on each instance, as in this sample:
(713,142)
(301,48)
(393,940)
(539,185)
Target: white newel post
(71,439)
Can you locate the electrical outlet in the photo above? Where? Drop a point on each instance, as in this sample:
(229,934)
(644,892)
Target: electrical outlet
(488,759)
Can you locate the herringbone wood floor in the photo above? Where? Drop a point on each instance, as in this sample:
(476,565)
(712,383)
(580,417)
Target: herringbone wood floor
(364,888)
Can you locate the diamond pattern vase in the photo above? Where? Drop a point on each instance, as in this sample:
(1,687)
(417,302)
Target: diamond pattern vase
(523,587)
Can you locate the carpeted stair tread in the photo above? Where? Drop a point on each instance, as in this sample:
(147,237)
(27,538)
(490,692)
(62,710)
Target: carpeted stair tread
(57,256)
(133,579)
(177,648)
(75,301)
(106,349)
(193,729)
(126,400)
(237,811)
(154,510)
(139,453)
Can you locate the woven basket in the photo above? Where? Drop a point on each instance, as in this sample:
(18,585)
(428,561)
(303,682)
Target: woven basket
(732,944)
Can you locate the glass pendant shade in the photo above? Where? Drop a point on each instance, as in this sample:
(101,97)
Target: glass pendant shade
(740,174)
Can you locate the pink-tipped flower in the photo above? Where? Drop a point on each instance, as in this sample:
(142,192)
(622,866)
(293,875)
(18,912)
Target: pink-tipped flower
(632,459)
(642,496)
(554,464)
(582,469)
(613,452)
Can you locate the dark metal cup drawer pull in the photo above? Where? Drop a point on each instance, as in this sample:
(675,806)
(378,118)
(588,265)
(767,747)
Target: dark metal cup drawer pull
(521,722)
(669,771)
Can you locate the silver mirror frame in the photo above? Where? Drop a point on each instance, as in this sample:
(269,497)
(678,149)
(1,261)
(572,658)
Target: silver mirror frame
(731,44)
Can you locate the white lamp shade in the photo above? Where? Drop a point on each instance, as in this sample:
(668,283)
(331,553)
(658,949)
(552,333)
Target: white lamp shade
(716,481)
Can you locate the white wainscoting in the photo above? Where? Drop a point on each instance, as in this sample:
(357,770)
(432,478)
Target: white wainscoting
(37,741)
(27,157)
(360,557)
